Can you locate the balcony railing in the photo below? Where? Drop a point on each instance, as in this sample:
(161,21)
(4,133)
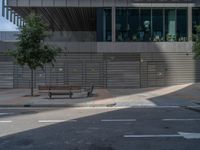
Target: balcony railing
(11,15)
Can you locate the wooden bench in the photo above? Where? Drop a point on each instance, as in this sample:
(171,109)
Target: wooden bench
(63,90)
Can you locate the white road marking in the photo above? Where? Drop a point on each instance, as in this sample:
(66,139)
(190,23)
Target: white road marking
(152,136)
(55,121)
(193,119)
(180,134)
(1,114)
(118,120)
(5,121)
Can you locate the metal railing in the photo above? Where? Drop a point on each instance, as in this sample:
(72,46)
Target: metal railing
(11,15)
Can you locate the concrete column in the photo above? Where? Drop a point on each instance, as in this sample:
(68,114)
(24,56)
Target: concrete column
(189,23)
(113,24)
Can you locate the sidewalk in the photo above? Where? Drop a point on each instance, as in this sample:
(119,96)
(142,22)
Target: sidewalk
(179,95)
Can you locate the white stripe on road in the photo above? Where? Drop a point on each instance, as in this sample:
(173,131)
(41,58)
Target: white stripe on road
(118,120)
(184,135)
(5,121)
(181,119)
(152,136)
(55,121)
(1,114)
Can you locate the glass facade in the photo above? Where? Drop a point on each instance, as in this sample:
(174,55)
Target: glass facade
(104,24)
(133,14)
(107,25)
(122,24)
(182,32)
(195,19)
(170,25)
(156,24)
(145,25)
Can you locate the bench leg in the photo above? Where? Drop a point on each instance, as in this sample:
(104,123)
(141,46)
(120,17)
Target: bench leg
(88,94)
(50,96)
(70,95)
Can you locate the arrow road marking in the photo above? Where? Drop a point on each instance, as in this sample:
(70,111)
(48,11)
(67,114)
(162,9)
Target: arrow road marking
(181,119)
(180,134)
(118,120)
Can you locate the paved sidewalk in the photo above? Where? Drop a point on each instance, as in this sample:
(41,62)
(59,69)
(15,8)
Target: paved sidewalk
(179,95)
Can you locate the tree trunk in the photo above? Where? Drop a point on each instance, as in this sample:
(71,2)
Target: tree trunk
(31,82)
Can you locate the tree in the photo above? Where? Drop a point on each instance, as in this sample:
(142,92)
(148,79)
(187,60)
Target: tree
(31,49)
(196,45)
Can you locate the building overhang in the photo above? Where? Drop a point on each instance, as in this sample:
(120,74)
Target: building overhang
(63,19)
(101,3)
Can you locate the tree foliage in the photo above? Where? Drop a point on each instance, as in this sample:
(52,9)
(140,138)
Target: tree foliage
(196,45)
(31,49)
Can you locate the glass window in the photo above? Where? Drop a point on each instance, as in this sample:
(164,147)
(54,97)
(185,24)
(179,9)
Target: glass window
(104,24)
(121,24)
(157,23)
(145,25)
(181,25)
(195,19)
(170,25)
(107,25)
(133,24)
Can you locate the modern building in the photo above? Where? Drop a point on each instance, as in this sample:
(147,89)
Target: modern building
(110,43)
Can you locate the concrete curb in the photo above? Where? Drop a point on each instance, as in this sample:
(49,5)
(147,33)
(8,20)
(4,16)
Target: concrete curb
(61,105)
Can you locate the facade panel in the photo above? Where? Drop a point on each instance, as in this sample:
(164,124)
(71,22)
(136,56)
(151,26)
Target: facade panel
(49,3)
(36,3)
(25,3)
(61,3)
(72,3)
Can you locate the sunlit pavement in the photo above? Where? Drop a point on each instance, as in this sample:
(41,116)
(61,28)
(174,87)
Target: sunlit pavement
(152,128)
(178,95)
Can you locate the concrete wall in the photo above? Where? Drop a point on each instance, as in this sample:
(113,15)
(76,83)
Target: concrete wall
(72,36)
(8,36)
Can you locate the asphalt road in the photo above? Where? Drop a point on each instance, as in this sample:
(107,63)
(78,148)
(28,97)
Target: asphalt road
(100,129)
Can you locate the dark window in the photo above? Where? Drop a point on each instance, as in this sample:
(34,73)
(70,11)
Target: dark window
(195,19)
(107,25)
(104,24)
(145,25)
(133,24)
(121,25)
(170,24)
(181,25)
(157,18)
